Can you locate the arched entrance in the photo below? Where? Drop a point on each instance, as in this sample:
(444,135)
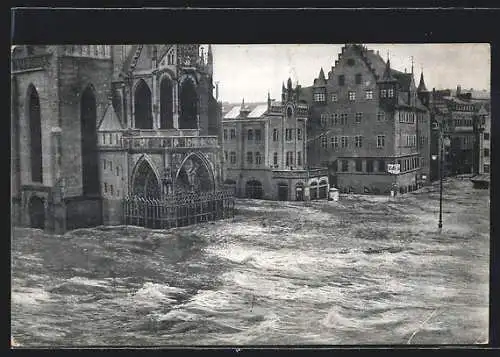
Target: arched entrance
(299,191)
(314,190)
(194,175)
(90,161)
(189,105)
(166,106)
(37,212)
(231,184)
(253,189)
(283,191)
(35,125)
(145,182)
(323,189)
(142,106)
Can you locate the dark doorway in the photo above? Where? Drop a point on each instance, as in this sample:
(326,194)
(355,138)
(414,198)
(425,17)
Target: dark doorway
(333,180)
(253,189)
(323,189)
(37,212)
(299,192)
(90,162)
(166,106)
(189,107)
(314,190)
(35,125)
(142,106)
(283,192)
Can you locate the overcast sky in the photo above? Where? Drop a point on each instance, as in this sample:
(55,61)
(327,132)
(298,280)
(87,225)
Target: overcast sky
(249,71)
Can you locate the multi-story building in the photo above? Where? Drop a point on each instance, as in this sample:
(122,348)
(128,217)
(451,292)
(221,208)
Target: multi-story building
(464,120)
(366,116)
(265,150)
(95,123)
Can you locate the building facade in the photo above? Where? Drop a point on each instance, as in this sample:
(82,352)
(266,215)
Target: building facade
(366,116)
(92,124)
(265,150)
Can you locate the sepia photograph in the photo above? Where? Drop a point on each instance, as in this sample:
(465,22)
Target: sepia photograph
(250,194)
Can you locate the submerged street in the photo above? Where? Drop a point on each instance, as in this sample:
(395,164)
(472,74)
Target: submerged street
(363,270)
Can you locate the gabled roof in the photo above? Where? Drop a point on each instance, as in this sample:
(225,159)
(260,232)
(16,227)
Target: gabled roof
(404,79)
(109,120)
(258,111)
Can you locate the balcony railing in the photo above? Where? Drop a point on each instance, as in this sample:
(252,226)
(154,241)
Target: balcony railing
(31,62)
(155,142)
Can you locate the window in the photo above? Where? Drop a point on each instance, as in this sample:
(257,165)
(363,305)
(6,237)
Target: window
(390,93)
(486,136)
(334,142)
(105,187)
(359,116)
(225,134)
(341,80)
(275,159)
(233,157)
(352,95)
(358,78)
(323,119)
(288,134)
(299,158)
(359,165)
(383,93)
(333,119)
(233,133)
(486,169)
(257,134)
(111,189)
(358,141)
(343,119)
(369,165)
(486,152)
(324,142)
(369,94)
(104,164)
(345,165)
(334,97)
(319,97)
(380,141)
(275,134)
(111,166)
(344,141)
(299,134)
(381,116)
(258,158)
(225,156)
(250,134)
(381,166)
(249,157)
(289,158)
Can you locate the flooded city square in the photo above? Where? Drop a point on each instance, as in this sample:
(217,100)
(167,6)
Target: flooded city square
(363,270)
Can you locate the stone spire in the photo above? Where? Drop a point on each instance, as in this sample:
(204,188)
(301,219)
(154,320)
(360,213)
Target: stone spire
(421,84)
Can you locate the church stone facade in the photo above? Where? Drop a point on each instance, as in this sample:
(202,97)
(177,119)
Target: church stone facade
(92,124)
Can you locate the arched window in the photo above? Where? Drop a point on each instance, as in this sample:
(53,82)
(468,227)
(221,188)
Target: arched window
(189,106)
(142,103)
(166,106)
(90,166)
(35,125)
(145,182)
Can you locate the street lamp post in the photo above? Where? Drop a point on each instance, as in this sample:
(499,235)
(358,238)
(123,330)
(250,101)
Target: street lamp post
(442,143)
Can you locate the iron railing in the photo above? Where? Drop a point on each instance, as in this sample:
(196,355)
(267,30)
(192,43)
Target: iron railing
(178,210)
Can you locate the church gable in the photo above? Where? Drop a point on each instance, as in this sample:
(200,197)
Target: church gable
(167,59)
(144,60)
(110,120)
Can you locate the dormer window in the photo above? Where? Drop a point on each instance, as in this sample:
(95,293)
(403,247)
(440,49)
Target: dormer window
(319,97)
(390,93)
(383,93)
(334,97)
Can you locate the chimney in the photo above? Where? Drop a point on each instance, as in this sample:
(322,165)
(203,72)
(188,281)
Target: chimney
(459,89)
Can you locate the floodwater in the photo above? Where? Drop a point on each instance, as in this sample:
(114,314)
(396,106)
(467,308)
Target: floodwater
(364,270)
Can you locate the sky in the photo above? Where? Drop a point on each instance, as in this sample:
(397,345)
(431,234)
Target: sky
(250,71)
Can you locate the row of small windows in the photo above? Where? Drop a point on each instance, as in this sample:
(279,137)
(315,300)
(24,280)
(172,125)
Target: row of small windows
(289,158)
(463,122)
(370,165)
(108,165)
(411,140)
(110,139)
(341,118)
(406,117)
(256,135)
(467,108)
(250,157)
(343,141)
(358,79)
(109,189)
(90,50)
(351,95)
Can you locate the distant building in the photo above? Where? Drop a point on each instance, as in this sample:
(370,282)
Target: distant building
(92,124)
(265,150)
(366,116)
(465,120)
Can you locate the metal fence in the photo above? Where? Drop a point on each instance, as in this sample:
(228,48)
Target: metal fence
(179,210)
